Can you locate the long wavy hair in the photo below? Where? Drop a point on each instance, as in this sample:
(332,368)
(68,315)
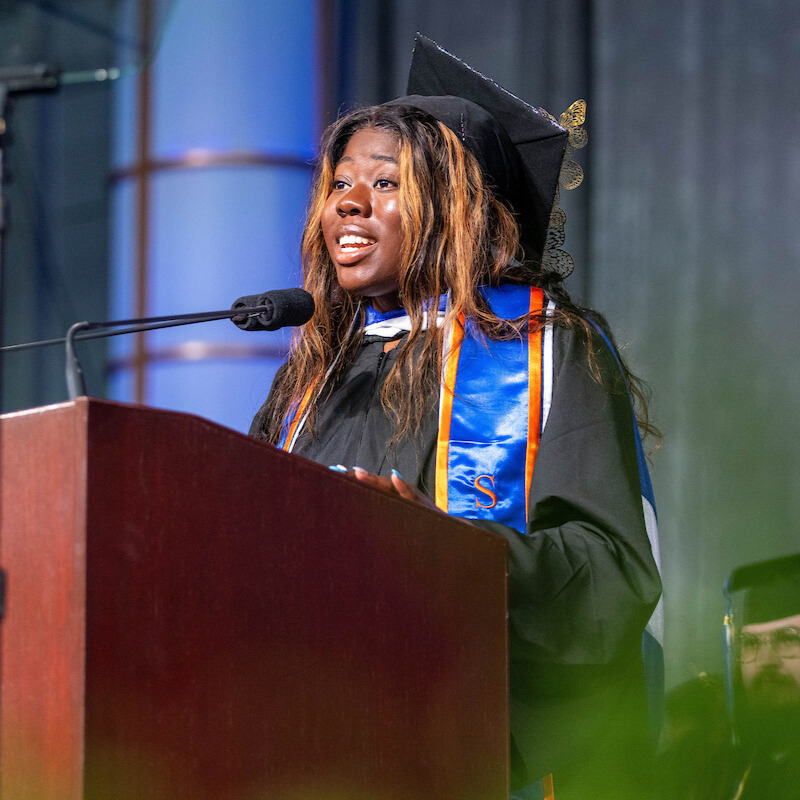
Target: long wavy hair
(457,236)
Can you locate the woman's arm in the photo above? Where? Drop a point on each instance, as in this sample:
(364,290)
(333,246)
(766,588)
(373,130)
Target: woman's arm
(582,578)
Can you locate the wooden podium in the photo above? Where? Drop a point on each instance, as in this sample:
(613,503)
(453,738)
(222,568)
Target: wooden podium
(193,614)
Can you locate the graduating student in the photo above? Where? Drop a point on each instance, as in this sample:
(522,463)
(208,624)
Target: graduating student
(764,679)
(446,363)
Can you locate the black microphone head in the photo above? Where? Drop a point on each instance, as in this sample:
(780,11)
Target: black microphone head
(289,307)
(284,307)
(251,322)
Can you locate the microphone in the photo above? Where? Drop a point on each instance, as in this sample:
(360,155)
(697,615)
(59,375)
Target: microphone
(267,312)
(283,307)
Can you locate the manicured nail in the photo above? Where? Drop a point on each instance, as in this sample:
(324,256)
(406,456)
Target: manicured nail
(397,474)
(360,469)
(337,468)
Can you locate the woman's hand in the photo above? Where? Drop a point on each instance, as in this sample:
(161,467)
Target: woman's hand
(393,485)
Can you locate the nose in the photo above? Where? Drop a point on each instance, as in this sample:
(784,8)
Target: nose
(768,654)
(355,202)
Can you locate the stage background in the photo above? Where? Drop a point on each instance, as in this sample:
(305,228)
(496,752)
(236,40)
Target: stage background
(685,235)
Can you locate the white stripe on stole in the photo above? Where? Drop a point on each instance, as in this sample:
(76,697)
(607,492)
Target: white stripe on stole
(296,433)
(656,623)
(547,367)
(446,337)
(307,410)
(290,445)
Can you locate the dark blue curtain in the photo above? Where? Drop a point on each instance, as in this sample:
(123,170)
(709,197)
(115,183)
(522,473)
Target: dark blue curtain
(684,233)
(56,157)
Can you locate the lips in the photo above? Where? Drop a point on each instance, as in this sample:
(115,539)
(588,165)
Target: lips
(351,247)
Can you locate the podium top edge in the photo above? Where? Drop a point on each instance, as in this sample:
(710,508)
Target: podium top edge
(26,412)
(87,401)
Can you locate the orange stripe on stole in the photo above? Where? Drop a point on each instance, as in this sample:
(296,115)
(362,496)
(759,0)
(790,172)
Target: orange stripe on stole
(297,417)
(446,411)
(534,388)
(547,787)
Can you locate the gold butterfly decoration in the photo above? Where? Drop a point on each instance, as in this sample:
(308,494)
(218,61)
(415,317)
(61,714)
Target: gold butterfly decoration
(572,119)
(571,173)
(555,258)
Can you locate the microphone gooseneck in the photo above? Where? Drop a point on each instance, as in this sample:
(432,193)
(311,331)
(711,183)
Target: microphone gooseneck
(264,312)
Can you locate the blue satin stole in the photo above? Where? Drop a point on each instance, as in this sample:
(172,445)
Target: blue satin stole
(490,412)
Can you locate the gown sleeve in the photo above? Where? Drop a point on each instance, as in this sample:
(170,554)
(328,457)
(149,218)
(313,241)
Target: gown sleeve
(582,578)
(582,584)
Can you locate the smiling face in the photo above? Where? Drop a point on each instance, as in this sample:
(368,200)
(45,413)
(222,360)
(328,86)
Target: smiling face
(361,218)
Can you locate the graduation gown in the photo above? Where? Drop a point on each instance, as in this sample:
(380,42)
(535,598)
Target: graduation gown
(582,578)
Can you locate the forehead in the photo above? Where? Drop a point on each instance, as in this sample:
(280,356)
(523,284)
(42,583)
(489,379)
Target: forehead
(772,625)
(374,144)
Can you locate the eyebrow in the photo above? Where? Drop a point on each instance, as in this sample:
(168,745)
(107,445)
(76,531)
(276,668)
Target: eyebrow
(374,157)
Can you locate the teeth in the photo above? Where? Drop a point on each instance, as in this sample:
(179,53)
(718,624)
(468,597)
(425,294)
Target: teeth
(352,240)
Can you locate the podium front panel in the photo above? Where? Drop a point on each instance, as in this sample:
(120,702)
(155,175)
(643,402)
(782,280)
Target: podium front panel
(257,626)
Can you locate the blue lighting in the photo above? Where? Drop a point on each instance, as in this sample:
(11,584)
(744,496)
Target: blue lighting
(233,82)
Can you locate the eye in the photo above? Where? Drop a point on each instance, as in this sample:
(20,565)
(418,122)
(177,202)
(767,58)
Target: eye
(338,184)
(750,642)
(385,183)
(788,636)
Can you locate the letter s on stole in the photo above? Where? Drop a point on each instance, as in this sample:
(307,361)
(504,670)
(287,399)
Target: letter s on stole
(486,490)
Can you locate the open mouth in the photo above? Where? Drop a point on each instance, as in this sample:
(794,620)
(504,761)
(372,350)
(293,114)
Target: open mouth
(351,248)
(350,243)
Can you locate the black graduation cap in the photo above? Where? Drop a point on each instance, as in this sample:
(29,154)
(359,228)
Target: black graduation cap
(772,589)
(520,148)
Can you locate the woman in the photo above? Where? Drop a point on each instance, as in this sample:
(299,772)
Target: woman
(443,364)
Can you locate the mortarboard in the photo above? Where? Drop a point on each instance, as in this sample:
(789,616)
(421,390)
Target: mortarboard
(519,147)
(771,589)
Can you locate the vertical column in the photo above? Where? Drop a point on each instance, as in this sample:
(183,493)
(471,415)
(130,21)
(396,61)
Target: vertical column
(213,159)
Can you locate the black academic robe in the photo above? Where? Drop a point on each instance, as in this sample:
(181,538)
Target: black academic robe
(582,578)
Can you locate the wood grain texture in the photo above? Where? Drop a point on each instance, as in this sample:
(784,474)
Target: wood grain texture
(258,626)
(42,539)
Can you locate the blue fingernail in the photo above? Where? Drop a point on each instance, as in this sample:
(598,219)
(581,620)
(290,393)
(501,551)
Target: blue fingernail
(338,468)
(397,474)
